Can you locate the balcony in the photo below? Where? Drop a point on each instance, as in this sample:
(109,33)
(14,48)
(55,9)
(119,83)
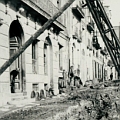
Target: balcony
(90,25)
(77,35)
(103,51)
(45,9)
(79,40)
(77,11)
(110,63)
(89,47)
(95,43)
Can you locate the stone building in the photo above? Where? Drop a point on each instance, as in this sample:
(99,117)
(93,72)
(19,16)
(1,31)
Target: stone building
(87,49)
(41,62)
(69,41)
(85,52)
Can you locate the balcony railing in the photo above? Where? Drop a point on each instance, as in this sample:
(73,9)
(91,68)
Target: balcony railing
(80,36)
(110,63)
(45,7)
(78,12)
(95,43)
(104,51)
(77,35)
(34,66)
(89,47)
(90,25)
(79,39)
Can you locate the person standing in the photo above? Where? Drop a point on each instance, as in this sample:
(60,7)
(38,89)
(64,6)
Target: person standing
(111,76)
(13,75)
(71,75)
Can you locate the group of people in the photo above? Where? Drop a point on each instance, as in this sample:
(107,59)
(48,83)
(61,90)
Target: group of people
(75,79)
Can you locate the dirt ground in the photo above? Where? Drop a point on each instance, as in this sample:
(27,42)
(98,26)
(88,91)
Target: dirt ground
(94,104)
(38,112)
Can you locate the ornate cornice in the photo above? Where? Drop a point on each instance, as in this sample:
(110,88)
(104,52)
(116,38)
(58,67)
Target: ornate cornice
(46,8)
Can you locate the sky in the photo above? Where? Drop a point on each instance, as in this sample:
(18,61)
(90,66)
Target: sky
(115,11)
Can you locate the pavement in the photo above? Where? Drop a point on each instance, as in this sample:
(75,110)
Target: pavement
(17,105)
(26,104)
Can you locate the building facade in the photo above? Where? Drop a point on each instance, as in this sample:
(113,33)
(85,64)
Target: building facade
(69,41)
(40,63)
(85,44)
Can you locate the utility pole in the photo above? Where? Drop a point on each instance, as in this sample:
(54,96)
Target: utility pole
(34,36)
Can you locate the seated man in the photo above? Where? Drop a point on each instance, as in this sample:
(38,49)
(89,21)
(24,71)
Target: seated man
(51,91)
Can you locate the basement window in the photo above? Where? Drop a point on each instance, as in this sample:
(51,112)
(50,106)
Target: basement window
(35,87)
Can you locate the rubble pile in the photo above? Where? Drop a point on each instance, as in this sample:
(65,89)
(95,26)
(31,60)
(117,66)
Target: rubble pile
(77,104)
(102,104)
(92,104)
(37,112)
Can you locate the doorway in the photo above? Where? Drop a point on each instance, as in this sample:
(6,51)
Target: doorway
(48,60)
(17,68)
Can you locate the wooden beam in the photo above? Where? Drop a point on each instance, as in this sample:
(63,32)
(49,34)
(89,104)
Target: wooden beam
(33,37)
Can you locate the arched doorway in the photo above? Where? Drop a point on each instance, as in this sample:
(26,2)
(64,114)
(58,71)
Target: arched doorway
(48,60)
(16,36)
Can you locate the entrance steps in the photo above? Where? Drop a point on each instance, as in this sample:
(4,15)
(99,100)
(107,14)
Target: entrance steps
(19,99)
(18,96)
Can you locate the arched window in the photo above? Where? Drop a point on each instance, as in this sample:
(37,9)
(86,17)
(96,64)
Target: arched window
(97,54)
(14,45)
(45,58)
(60,57)
(16,37)
(72,55)
(93,52)
(35,57)
(58,3)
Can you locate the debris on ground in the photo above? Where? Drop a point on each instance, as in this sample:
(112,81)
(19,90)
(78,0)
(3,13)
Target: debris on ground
(76,104)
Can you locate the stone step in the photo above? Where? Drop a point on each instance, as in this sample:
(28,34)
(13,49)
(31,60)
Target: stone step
(22,102)
(17,96)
